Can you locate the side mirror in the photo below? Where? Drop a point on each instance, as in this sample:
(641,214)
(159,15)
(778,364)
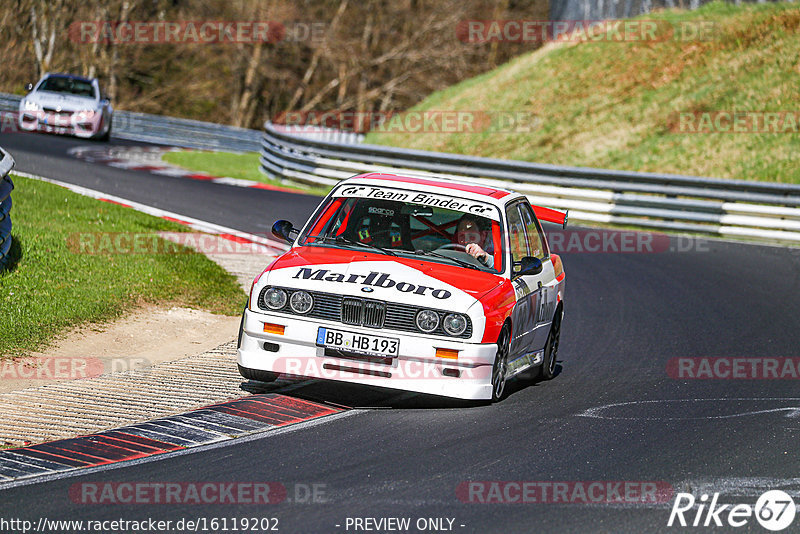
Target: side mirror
(528,266)
(29,87)
(283,229)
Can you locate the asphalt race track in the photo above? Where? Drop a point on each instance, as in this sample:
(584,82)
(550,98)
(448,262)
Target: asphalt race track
(613,413)
(244,209)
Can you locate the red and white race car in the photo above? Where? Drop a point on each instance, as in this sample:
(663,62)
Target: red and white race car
(419,284)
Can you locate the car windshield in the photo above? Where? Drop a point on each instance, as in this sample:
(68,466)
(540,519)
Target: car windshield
(73,86)
(403,223)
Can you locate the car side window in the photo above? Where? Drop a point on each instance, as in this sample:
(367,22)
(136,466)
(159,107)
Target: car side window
(536,243)
(516,233)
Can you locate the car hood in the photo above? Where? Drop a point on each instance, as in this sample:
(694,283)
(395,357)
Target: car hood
(63,101)
(415,282)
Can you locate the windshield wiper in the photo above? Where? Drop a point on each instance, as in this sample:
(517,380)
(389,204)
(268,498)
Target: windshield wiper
(341,239)
(344,241)
(437,255)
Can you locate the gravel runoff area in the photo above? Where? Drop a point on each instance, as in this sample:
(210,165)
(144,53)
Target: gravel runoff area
(67,408)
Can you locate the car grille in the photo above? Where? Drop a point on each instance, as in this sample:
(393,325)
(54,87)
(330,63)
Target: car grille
(362,312)
(352,311)
(374,313)
(57,113)
(365,312)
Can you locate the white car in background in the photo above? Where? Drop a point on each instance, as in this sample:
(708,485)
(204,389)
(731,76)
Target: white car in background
(67,104)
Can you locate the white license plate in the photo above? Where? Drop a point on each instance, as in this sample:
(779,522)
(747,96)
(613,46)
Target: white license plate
(358,343)
(55,121)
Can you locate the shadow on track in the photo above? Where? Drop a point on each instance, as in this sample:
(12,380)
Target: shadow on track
(360,396)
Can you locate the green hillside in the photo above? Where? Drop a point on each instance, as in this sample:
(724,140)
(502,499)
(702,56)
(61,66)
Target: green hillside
(619,104)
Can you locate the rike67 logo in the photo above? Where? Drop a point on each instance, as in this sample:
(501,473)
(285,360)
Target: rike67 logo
(774,510)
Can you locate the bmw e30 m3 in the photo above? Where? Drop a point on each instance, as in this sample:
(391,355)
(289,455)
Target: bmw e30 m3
(419,284)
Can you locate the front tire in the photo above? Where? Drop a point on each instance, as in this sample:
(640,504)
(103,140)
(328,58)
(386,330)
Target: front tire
(548,368)
(258,375)
(107,135)
(500,367)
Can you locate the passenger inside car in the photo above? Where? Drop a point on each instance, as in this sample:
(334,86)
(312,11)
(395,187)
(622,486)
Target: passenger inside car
(381,224)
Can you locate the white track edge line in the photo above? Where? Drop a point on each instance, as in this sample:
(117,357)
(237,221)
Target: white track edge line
(197,224)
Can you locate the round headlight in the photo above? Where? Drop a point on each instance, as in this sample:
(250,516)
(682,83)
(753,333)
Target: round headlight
(301,301)
(275,298)
(427,320)
(455,324)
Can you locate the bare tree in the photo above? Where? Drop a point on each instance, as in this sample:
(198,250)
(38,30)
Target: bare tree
(46,18)
(252,82)
(315,58)
(374,55)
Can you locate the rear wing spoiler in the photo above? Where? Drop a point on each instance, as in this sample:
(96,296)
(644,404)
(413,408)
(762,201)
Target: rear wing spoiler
(551,215)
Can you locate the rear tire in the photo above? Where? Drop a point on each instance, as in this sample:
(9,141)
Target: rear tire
(258,375)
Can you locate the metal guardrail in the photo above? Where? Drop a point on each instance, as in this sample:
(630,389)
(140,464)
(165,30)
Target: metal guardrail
(6,185)
(183,132)
(169,130)
(188,133)
(320,133)
(9,102)
(662,201)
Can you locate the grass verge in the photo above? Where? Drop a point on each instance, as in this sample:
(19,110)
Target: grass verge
(617,104)
(50,286)
(232,165)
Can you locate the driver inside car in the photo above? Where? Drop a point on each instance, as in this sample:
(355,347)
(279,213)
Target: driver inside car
(469,234)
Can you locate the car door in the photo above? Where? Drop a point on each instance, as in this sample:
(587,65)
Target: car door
(523,318)
(545,293)
(536,293)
